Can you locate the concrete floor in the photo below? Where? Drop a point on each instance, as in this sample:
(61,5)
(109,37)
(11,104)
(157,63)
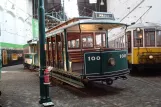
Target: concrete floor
(20,88)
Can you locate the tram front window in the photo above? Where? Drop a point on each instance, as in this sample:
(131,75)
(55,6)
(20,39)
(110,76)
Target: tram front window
(100,40)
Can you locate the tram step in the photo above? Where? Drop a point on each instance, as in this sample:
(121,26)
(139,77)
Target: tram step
(67,80)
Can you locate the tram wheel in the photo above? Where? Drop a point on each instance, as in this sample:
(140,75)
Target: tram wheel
(87,84)
(109,81)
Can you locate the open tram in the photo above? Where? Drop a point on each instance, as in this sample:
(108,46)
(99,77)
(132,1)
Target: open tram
(31,55)
(143,42)
(78,51)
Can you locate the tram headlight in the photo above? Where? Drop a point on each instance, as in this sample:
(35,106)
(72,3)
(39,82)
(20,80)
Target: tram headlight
(111,62)
(150,56)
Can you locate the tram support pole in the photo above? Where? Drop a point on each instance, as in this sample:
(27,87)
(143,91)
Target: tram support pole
(107,39)
(44,89)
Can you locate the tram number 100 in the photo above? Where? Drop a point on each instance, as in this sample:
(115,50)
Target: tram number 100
(122,55)
(93,58)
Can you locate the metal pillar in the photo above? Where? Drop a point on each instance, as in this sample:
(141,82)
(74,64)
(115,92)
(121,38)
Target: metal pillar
(0,62)
(63,11)
(107,39)
(44,89)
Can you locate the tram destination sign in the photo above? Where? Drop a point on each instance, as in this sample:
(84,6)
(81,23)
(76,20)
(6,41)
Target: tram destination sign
(103,15)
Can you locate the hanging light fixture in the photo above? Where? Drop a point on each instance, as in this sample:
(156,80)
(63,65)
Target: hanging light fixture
(102,3)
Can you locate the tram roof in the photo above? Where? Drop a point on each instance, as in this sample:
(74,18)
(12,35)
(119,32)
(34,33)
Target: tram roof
(67,22)
(85,21)
(32,41)
(145,25)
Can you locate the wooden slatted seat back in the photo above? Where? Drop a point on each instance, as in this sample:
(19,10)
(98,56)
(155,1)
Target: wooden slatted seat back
(76,56)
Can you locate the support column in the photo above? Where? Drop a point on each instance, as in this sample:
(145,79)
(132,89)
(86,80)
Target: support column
(0,62)
(107,39)
(66,49)
(44,89)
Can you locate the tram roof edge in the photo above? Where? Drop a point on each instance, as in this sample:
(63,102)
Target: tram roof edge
(145,25)
(87,21)
(32,41)
(68,21)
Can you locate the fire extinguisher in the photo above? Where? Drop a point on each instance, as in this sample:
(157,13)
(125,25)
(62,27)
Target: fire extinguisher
(46,77)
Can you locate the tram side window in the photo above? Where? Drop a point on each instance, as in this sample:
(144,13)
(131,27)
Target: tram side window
(138,38)
(149,38)
(87,41)
(73,43)
(158,38)
(77,43)
(69,44)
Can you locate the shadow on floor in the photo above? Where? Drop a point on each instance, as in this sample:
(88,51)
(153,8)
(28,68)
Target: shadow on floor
(95,90)
(147,73)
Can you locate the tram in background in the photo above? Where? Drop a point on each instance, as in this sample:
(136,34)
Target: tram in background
(11,57)
(30,56)
(143,42)
(78,51)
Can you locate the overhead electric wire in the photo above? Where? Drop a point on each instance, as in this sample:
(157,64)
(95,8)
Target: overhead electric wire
(144,13)
(132,10)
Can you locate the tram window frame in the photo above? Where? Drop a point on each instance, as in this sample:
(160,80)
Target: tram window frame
(73,36)
(158,37)
(129,41)
(103,39)
(149,39)
(69,44)
(86,35)
(73,42)
(136,39)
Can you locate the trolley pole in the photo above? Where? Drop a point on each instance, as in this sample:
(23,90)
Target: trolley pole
(44,89)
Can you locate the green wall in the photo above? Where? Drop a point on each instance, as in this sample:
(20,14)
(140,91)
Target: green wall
(10,45)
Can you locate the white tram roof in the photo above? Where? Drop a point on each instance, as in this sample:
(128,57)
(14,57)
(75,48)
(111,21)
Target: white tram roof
(145,26)
(90,24)
(100,21)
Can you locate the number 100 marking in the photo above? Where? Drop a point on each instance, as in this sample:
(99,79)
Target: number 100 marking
(93,58)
